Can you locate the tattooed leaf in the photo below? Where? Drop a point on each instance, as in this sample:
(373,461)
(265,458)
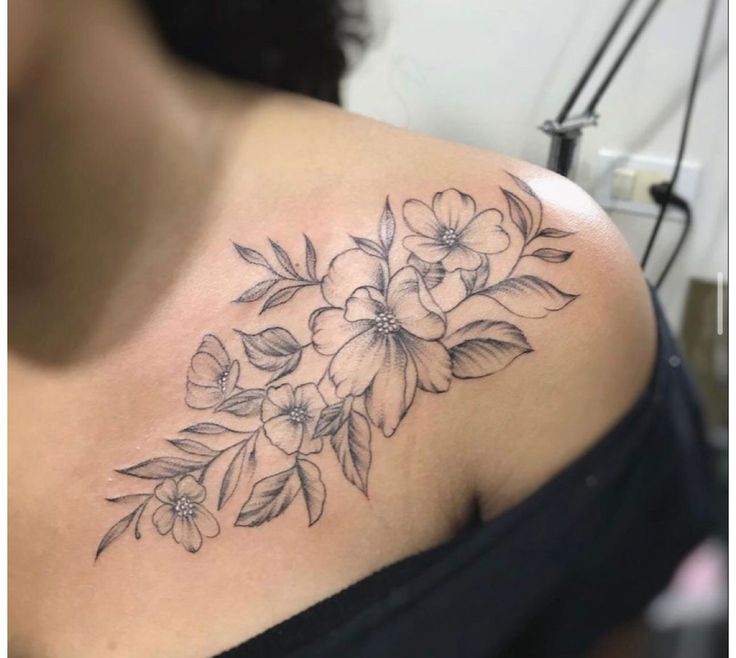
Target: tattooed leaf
(352,445)
(284,259)
(476,279)
(528,296)
(256,291)
(194,447)
(243,403)
(281,297)
(519,212)
(244,457)
(387,227)
(113,533)
(273,350)
(331,418)
(484,347)
(207,428)
(270,497)
(312,487)
(432,273)
(160,468)
(252,256)
(552,255)
(553,233)
(310,259)
(128,498)
(523,185)
(369,247)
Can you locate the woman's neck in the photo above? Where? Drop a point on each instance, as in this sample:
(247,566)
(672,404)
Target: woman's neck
(114,150)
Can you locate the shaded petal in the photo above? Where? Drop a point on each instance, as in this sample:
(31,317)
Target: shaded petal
(428,249)
(364,304)
(278,400)
(192,489)
(309,397)
(453,208)
(421,219)
(355,365)
(204,369)
(392,390)
(413,305)
(213,346)
(284,434)
(232,378)
(203,397)
(350,270)
(206,523)
(485,234)
(163,519)
(166,491)
(331,330)
(462,258)
(187,534)
(432,361)
(310,444)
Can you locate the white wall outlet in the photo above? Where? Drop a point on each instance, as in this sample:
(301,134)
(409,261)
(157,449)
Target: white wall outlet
(622,182)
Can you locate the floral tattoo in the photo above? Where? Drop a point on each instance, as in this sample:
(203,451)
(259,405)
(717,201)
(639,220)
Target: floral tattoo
(381,335)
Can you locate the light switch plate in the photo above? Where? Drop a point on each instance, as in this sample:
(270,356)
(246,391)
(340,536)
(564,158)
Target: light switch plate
(622,182)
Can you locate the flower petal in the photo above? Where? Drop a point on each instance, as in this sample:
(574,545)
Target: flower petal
(350,270)
(427,249)
(232,378)
(331,330)
(278,400)
(310,444)
(284,433)
(166,491)
(485,234)
(432,360)
(364,304)
(206,523)
(453,208)
(414,306)
(355,365)
(462,258)
(309,397)
(203,397)
(163,519)
(192,489)
(213,346)
(392,390)
(187,534)
(204,370)
(421,219)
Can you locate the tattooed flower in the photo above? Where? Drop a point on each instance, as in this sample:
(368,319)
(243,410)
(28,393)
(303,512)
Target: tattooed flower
(212,376)
(385,345)
(290,416)
(451,233)
(182,513)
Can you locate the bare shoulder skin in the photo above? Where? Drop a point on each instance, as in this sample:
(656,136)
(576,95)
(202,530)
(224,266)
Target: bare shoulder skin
(282,357)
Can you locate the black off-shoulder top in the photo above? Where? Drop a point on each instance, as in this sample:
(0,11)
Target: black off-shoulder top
(549,576)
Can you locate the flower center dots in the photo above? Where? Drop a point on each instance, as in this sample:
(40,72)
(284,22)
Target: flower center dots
(449,237)
(184,507)
(222,379)
(386,322)
(297,414)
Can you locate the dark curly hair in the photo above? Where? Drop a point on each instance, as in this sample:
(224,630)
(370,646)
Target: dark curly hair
(296,45)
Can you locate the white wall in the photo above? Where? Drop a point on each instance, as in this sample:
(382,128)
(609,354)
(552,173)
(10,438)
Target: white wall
(488,72)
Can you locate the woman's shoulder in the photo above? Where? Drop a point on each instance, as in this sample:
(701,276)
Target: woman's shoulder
(537,330)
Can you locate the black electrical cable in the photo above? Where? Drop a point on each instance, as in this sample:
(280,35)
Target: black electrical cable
(704,37)
(662,194)
(590,109)
(594,61)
